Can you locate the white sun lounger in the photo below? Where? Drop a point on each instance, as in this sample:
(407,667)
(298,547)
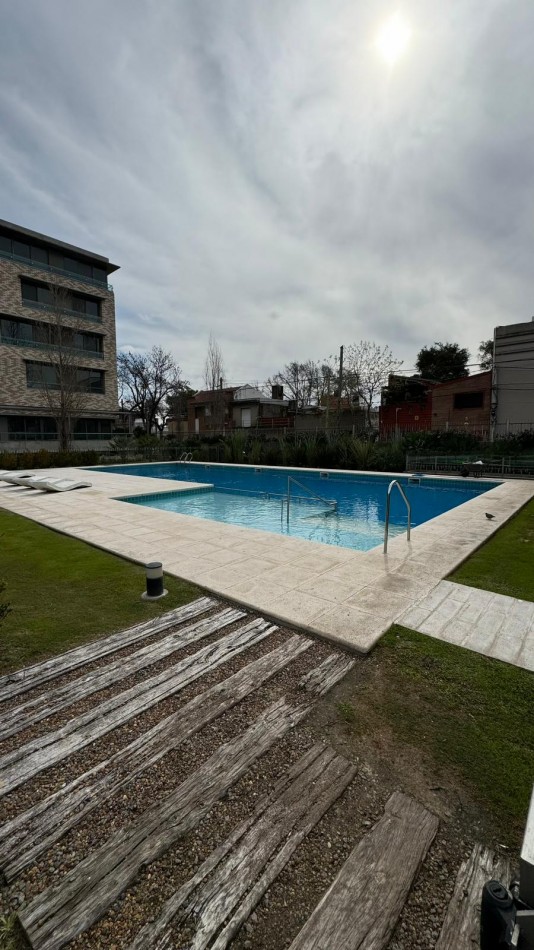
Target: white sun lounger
(17,478)
(62,484)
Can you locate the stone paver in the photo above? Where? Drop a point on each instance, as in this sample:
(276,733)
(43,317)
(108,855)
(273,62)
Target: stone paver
(493,624)
(350,597)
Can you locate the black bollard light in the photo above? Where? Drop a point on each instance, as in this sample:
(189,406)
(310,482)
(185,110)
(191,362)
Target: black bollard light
(154,581)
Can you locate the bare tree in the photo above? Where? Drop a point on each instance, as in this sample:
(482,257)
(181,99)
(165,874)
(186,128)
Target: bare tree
(214,381)
(214,366)
(146,381)
(60,377)
(366,370)
(305,382)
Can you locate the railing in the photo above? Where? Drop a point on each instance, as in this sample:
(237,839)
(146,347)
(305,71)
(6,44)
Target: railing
(520,465)
(15,341)
(388,506)
(60,271)
(287,500)
(49,307)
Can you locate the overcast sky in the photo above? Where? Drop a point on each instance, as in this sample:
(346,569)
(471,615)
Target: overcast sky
(258,171)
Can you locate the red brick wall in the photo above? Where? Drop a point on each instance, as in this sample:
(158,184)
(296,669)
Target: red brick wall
(443,412)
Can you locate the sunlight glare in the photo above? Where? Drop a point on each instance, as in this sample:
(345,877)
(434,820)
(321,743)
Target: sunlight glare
(393,39)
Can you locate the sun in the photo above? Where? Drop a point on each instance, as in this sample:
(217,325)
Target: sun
(393,39)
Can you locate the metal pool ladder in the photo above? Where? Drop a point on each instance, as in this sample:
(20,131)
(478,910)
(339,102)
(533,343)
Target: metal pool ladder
(287,500)
(388,506)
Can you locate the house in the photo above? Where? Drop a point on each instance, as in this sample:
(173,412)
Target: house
(463,403)
(251,407)
(512,400)
(220,410)
(414,404)
(54,295)
(208,411)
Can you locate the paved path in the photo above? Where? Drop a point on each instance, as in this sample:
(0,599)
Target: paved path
(492,624)
(349,597)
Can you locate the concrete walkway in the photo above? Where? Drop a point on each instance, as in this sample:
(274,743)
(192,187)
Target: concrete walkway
(346,596)
(497,626)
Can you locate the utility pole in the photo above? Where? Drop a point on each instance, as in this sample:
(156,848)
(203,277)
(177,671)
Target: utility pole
(327,399)
(340,378)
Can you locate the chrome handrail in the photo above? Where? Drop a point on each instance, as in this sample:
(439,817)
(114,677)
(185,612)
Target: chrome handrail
(388,505)
(305,488)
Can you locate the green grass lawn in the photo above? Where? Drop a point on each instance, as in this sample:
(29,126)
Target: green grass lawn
(469,714)
(505,564)
(63,592)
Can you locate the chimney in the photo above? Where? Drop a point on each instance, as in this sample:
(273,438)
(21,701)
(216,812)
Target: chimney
(277,392)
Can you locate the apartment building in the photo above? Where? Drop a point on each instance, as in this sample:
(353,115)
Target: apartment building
(54,298)
(512,403)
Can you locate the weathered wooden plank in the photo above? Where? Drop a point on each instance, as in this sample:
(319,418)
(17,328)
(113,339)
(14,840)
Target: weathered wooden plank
(61,912)
(20,681)
(39,754)
(280,825)
(360,909)
(321,679)
(461,927)
(54,700)
(28,835)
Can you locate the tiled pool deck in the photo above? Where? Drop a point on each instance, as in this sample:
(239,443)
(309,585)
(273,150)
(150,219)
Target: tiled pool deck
(350,597)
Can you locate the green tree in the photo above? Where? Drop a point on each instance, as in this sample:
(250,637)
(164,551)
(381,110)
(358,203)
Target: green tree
(443,361)
(485,354)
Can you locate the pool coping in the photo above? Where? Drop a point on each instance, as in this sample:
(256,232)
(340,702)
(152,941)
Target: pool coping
(345,596)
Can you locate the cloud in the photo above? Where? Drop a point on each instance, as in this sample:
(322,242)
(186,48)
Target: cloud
(258,173)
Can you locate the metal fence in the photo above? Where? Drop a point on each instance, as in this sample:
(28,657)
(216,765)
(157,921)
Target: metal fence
(519,466)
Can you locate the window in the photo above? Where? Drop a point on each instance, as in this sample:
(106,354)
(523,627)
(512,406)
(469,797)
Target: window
(25,331)
(45,376)
(20,249)
(41,376)
(31,428)
(34,292)
(87,306)
(12,329)
(39,255)
(52,257)
(90,342)
(469,400)
(92,429)
(90,380)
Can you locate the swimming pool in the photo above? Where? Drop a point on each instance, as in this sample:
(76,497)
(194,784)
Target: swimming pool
(257,498)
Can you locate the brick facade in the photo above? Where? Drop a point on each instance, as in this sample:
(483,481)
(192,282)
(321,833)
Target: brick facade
(446,413)
(16,398)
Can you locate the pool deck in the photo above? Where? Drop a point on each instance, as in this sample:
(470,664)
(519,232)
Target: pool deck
(349,597)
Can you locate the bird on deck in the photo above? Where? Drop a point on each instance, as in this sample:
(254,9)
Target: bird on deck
(489,516)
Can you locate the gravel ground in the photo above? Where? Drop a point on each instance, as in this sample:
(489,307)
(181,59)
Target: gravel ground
(292,897)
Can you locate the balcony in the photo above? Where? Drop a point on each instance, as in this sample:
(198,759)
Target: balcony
(50,347)
(50,308)
(59,271)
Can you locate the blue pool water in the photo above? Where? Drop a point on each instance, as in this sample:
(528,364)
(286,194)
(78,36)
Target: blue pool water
(256,498)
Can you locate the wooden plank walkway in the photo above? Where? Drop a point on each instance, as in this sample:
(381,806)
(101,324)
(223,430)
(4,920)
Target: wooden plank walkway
(216,897)
(461,927)
(26,837)
(21,681)
(360,909)
(58,698)
(39,754)
(57,915)
(328,673)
